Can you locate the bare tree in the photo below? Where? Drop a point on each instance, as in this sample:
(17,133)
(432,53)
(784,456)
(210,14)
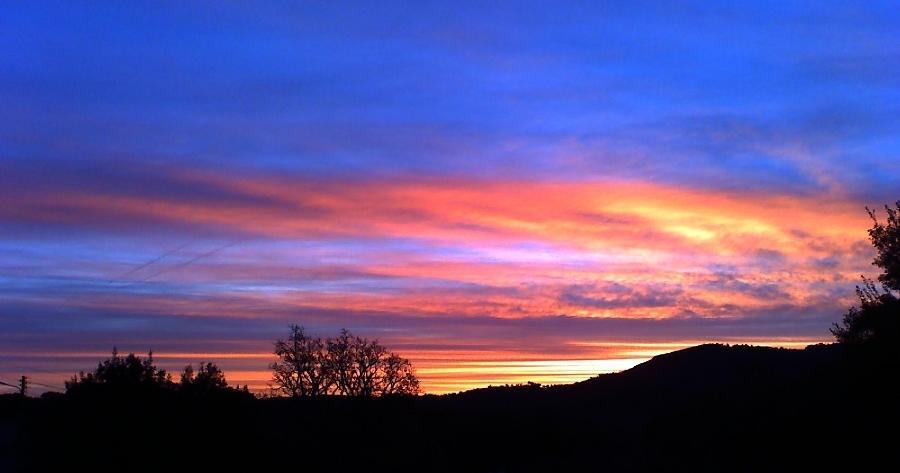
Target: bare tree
(302,367)
(368,367)
(341,358)
(357,365)
(344,365)
(398,377)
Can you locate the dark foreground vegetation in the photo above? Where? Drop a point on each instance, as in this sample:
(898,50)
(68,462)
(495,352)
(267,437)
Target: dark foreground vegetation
(706,408)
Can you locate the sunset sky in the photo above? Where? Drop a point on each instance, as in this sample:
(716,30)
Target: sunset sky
(500,192)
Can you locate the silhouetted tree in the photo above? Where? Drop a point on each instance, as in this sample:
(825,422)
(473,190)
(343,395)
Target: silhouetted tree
(876,321)
(207,382)
(129,372)
(344,365)
(398,377)
(302,368)
(356,364)
(341,356)
(885,237)
(208,377)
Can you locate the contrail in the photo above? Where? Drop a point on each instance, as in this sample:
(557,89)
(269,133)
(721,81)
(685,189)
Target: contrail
(188,262)
(154,260)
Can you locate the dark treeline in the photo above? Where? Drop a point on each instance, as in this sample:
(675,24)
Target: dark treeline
(139,377)
(306,366)
(706,408)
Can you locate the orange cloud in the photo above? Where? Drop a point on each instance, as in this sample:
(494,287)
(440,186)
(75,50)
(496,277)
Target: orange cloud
(451,249)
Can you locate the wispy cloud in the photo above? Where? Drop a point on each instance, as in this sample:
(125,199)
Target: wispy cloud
(462,181)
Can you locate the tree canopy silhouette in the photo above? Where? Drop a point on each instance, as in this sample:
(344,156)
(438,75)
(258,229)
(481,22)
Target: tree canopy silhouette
(129,372)
(346,365)
(875,323)
(885,238)
(302,368)
(133,376)
(207,379)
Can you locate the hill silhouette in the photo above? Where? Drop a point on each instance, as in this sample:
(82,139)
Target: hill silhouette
(705,408)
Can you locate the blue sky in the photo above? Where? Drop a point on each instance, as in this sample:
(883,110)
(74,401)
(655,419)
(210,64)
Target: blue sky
(637,91)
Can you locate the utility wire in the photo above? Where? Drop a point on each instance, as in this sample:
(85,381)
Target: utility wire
(47,385)
(8,385)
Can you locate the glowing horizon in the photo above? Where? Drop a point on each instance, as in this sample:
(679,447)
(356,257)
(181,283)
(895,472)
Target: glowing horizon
(540,197)
(439,372)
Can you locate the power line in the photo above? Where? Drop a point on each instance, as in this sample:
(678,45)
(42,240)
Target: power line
(41,370)
(47,386)
(22,386)
(19,387)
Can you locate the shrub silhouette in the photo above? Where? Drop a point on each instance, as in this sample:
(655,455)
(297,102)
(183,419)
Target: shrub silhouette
(207,378)
(885,237)
(133,376)
(129,373)
(344,365)
(875,323)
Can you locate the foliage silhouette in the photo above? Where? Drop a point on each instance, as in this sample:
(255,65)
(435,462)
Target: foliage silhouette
(885,237)
(133,377)
(874,325)
(128,374)
(208,376)
(208,381)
